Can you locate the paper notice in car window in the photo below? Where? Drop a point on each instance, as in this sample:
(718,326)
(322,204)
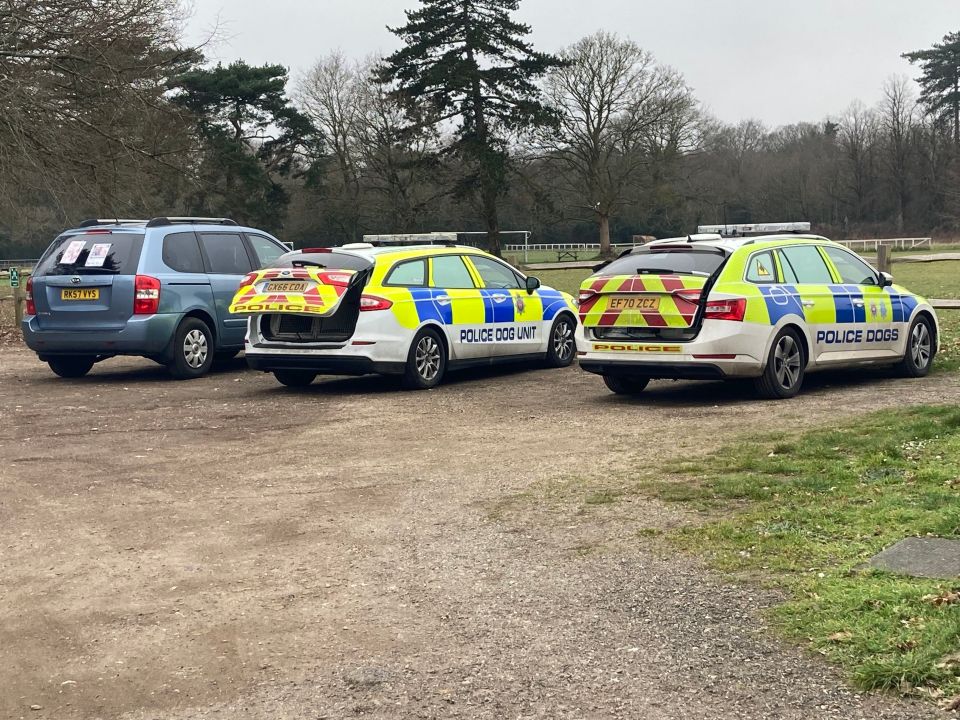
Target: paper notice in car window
(98,255)
(72,252)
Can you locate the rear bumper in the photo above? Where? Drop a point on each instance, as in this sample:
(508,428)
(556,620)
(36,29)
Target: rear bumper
(723,349)
(146,335)
(323,364)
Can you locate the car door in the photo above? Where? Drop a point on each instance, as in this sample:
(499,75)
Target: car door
(517,315)
(457,303)
(187,285)
(860,290)
(227,261)
(806,291)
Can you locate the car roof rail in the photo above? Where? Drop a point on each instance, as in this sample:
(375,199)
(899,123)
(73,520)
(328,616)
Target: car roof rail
(163,221)
(93,222)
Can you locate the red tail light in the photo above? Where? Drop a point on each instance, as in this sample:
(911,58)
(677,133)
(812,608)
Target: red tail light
(730,309)
(248,279)
(340,279)
(585,294)
(369,303)
(691,296)
(31,305)
(146,301)
(316,250)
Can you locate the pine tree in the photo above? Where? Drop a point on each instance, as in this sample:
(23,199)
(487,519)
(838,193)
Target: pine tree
(468,60)
(940,80)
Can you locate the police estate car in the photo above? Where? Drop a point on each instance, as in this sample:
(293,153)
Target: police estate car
(769,308)
(409,311)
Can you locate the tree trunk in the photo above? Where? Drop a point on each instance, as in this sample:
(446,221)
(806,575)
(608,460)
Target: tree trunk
(603,219)
(492,221)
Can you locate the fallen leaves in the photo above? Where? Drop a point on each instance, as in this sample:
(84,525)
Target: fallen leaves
(947,597)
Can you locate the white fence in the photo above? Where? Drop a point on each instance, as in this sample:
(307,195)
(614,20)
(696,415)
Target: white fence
(897,243)
(22,264)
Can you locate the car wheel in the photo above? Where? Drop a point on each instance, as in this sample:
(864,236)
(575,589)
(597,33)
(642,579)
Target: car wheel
(193,350)
(785,368)
(426,361)
(626,384)
(71,366)
(561,346)
(921,347)
(294,378)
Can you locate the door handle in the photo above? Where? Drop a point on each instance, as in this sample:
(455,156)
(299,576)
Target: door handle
(858,303)
(808,303)
(443,299)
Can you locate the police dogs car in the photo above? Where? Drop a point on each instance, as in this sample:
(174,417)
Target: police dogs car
(412,311)
(771,308)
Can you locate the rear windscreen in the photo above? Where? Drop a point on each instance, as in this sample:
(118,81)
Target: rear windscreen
(90,253)
(330,260)
(682,261)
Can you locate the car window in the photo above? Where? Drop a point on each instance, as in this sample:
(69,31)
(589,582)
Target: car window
(92,253)
(181,252)
(760,268)
(804,265)
(494,274)
(853,270)
(226,253)
(412,273)
(684,261)
(267,250)
(449,271)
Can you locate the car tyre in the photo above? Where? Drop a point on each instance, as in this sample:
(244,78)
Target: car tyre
(786,367)
(626,384)
(71,366)
(561,346)
(426,361)
(295,378)
(920,350)
(193,350)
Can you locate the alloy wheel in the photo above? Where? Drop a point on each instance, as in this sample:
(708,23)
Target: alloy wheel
(920,345)
(786,362)
(428,358)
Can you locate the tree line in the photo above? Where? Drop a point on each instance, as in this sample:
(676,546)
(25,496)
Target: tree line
(106,112)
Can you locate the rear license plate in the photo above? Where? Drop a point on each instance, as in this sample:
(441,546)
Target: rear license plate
(280,286)
(634,303)
(80,294)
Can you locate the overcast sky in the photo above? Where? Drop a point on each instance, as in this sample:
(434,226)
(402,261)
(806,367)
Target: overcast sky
(777,60)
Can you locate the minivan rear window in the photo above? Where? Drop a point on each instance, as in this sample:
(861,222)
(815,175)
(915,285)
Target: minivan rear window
(681,261)
(92,253)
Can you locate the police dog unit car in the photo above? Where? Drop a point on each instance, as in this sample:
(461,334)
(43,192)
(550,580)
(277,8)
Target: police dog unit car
(410,311)
(770,308)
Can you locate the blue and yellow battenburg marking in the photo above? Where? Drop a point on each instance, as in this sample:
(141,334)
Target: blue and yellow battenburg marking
(847,304)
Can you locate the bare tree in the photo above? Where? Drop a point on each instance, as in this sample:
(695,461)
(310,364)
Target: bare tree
(82,106)
(897,118)
(859,138)
(617,106)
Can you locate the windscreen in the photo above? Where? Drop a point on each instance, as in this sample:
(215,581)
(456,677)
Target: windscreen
(328,260)
(679,261)
(92,253)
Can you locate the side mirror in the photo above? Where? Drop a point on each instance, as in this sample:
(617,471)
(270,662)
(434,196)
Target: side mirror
(532,284)
(886,279)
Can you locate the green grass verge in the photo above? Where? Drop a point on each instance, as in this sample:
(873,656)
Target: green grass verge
(806,512)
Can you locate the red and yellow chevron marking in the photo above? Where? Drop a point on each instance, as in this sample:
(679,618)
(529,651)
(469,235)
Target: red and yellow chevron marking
(320,298)
(639,301)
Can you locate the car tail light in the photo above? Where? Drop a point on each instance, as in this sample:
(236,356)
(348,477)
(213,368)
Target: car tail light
(585,294)
(31,305)
(248,279)
(340,279)
(146,301)
(369,303)
(729,309)
(316,250)
(691,296)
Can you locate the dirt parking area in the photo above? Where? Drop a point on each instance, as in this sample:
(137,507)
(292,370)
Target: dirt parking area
(227,548)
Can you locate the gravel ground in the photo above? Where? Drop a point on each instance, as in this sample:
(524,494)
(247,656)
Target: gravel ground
(226,548)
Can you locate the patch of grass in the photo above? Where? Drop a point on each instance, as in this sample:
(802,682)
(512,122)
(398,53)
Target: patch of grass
(808,513)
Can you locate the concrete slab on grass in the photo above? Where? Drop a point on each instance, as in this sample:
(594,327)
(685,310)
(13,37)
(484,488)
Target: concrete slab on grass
(921,557)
